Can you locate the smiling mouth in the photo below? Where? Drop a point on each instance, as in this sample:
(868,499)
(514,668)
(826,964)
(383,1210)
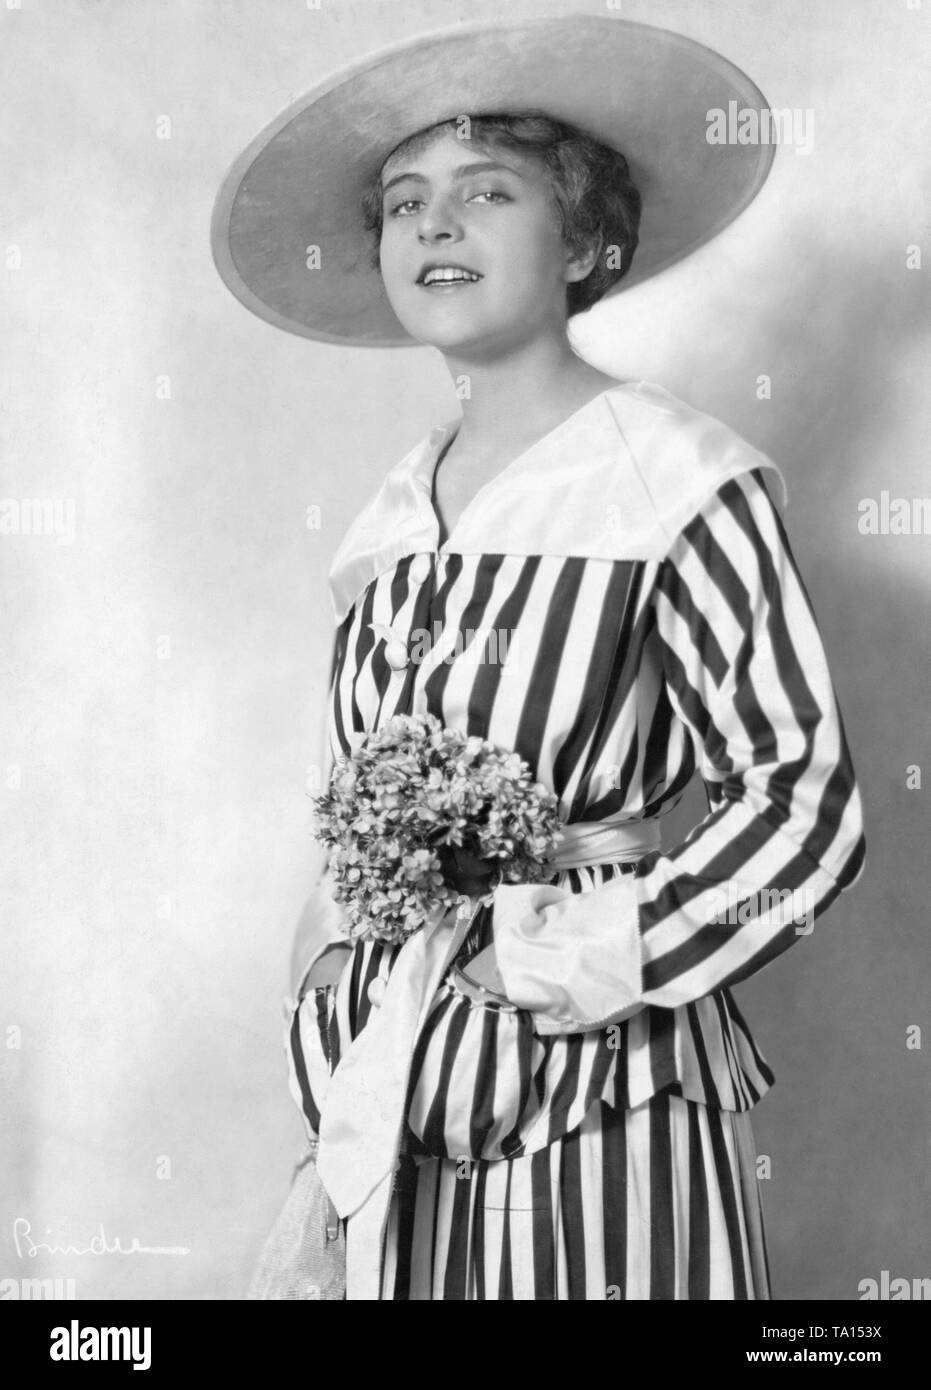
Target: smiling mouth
(446,277)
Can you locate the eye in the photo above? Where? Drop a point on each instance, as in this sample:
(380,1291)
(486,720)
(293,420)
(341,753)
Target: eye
(492,194)
(404,209)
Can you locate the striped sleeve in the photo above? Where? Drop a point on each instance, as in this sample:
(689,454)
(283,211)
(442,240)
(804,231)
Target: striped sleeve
(745,671)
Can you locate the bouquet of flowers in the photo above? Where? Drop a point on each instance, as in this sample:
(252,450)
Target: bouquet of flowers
(408,801)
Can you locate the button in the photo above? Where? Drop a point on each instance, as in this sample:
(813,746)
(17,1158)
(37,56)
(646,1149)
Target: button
(376,992)
(420,568)
(396,654)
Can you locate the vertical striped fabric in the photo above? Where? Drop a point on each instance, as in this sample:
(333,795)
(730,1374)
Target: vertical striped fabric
(620,678)
(658,1202)
(613,1163)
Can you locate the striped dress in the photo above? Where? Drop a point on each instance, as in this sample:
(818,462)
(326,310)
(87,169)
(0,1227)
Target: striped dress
(619,631)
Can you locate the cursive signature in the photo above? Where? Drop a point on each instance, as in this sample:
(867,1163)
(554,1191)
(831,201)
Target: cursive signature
(99,1244)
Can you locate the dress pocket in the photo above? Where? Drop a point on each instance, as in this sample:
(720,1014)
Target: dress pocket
(472,1091)
(485,1086)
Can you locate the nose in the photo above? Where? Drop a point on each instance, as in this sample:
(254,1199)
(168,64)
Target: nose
(438,223)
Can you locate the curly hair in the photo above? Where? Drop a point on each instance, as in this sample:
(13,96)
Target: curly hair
(590,182)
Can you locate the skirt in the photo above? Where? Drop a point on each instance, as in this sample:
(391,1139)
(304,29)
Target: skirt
(661,1201)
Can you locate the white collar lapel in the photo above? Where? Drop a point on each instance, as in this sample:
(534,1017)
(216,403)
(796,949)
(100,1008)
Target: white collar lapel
(626,473)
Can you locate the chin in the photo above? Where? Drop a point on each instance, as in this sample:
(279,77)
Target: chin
(463,338)
(452,328)
(449,341)
(446,339)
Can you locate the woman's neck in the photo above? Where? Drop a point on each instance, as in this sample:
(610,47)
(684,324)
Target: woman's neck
(521,395)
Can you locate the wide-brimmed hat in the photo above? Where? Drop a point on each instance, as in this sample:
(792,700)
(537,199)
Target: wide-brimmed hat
(288,233)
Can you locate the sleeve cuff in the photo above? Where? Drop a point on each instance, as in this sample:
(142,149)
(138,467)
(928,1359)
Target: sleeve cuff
(573,960)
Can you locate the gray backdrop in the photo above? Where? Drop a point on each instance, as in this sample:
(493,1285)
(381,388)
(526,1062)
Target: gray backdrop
(165,660)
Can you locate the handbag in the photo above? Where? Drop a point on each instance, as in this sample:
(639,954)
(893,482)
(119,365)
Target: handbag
(304,1255)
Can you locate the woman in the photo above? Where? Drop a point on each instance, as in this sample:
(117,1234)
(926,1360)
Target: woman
(550,1098)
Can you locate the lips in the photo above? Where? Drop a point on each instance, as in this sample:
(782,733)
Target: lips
(444,274)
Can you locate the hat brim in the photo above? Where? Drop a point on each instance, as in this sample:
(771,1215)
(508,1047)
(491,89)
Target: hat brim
(298,186)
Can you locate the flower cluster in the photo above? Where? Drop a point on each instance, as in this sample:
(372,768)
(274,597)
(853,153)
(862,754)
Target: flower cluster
(407,792)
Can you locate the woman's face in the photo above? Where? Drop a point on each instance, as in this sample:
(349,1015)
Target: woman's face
(472,254)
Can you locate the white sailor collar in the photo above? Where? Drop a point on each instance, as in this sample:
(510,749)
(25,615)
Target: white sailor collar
(617,480)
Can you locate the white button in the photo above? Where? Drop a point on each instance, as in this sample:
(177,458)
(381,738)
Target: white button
(396,654)
(376,992)
(420,568)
